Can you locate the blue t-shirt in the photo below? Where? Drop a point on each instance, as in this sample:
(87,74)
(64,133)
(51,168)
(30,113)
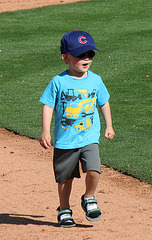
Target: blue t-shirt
(77,122)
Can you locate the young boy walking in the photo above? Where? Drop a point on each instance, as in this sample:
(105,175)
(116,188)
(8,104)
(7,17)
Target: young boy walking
(74,95)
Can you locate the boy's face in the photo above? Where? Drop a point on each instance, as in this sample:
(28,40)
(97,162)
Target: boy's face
(78,66)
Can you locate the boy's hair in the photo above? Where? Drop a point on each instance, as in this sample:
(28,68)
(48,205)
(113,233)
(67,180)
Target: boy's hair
(77,42)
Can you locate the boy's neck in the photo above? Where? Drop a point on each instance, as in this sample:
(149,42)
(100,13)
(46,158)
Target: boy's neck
(77,75)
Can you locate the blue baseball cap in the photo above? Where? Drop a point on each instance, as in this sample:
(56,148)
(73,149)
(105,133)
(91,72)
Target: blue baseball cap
(77,42)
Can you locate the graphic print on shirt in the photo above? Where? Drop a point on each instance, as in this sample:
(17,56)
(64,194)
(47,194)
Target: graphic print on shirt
(78,109)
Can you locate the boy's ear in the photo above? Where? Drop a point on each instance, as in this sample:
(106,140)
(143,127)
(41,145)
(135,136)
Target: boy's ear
(65,58)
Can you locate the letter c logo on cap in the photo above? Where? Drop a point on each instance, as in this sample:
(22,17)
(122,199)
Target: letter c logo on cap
(82,40)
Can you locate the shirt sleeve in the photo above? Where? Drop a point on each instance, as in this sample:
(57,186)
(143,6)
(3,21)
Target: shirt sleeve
(102,94)
(49,95)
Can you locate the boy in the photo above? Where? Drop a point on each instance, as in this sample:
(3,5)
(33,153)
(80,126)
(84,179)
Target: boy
(73,96)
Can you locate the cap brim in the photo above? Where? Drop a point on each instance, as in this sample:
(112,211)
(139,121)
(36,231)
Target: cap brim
(78,51)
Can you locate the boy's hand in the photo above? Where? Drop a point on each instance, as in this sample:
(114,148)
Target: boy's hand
(45,141)
(109,133)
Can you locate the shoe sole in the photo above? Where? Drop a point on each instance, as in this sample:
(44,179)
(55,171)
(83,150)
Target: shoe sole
(67,226)
(93,219)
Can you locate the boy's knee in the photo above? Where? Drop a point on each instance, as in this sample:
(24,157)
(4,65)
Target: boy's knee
(92,172)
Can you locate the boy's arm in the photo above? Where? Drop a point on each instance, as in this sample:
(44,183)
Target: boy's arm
(106,113)
(45,139)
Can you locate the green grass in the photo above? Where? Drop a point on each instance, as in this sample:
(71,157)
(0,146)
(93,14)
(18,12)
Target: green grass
(30,41)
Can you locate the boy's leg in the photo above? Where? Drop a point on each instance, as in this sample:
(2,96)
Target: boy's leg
(64,212)
(88,202)
(64,191)
(92,180)
(66,168)
(91,164)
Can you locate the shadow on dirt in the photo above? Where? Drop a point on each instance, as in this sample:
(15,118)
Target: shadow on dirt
(21,219)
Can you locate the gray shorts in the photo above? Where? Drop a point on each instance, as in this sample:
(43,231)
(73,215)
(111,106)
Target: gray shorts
(66,162)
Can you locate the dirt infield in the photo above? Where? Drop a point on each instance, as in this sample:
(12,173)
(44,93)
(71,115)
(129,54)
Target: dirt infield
(29,197)
(13,5)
